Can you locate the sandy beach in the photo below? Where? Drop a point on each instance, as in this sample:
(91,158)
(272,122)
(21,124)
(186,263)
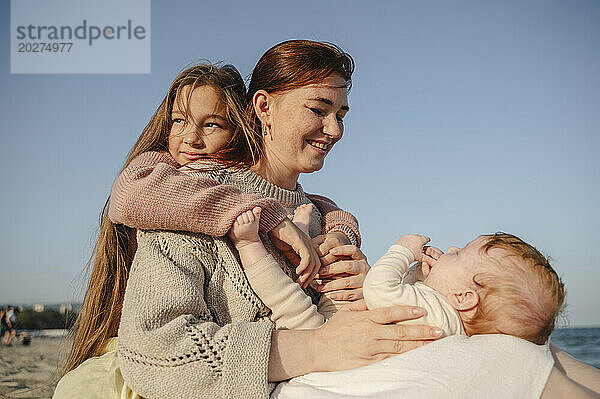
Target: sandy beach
(29,371)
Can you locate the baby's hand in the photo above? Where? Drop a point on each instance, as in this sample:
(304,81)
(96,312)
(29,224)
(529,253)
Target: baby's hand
(244,230)
(415,243)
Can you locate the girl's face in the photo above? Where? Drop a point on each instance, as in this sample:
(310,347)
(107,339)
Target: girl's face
(203,130)
(305,124)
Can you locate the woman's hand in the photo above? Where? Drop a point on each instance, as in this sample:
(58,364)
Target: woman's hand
(355,336)
(344,278)
(298,248)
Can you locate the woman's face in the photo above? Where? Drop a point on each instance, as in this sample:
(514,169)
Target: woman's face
(305,123)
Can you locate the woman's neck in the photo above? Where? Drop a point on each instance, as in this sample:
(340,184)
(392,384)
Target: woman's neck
(277,174)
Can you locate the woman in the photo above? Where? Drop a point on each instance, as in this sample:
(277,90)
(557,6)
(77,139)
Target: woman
(191,325)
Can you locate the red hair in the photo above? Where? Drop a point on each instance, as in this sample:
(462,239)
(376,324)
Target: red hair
(520,293)
(293,64)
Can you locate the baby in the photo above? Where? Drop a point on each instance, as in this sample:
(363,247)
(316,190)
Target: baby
(496,284)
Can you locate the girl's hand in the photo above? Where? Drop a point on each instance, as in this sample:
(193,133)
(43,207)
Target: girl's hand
(326,242)
(298,248)
(355,336)
(344,278)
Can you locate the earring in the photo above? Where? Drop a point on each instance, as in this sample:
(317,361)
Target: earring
(267,131)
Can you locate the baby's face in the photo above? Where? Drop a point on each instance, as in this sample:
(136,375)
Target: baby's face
(455,269)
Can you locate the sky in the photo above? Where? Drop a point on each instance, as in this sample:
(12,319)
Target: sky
(466,117)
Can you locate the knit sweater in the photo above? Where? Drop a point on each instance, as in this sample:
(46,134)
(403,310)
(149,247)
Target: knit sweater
(151,193)
(191,326)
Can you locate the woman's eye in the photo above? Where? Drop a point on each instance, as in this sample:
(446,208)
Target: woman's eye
(178,120)
(213,125)
(316,111)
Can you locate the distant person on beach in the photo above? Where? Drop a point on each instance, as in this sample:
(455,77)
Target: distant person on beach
(3,324)
(9,323)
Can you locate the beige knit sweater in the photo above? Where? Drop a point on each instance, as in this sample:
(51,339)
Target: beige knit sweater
(191,326)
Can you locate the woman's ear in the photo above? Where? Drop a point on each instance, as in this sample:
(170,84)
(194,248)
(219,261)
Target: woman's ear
(464,300)
(262,102)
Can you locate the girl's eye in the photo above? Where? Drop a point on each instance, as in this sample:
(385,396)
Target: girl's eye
(316,111)
(178,120)
(213,125)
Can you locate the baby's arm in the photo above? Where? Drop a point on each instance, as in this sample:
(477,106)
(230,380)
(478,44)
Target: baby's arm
(291,308)
(151,193)
(383,285)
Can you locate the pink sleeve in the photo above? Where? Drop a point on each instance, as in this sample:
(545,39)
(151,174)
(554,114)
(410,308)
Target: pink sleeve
(335,219)
(151,193)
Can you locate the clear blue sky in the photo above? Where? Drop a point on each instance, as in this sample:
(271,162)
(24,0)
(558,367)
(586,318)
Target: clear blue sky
(466,117)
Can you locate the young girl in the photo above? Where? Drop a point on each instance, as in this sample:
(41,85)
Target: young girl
(200,118)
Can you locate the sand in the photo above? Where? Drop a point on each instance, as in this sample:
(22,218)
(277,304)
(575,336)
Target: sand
(29,371)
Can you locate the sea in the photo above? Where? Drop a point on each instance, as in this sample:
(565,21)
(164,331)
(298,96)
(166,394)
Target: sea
(582,343)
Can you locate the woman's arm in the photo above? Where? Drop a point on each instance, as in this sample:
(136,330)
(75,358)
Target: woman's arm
(560,386)
(581,373)
(353,337)
(151,193)
(336,220)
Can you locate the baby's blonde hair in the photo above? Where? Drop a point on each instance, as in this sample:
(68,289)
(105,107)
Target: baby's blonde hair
(520,293)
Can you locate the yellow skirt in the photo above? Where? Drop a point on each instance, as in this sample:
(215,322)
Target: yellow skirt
(98,377)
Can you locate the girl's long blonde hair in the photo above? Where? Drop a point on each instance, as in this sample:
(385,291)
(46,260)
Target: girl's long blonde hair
(113,252)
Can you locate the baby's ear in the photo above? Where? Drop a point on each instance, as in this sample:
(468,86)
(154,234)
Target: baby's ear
(464,300)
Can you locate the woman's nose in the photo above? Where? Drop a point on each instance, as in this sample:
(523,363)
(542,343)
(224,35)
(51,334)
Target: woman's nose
(333,128)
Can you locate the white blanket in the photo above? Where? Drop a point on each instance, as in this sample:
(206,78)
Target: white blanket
(482,366)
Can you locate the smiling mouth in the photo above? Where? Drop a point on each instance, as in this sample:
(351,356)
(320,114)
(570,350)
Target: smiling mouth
(318,145)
